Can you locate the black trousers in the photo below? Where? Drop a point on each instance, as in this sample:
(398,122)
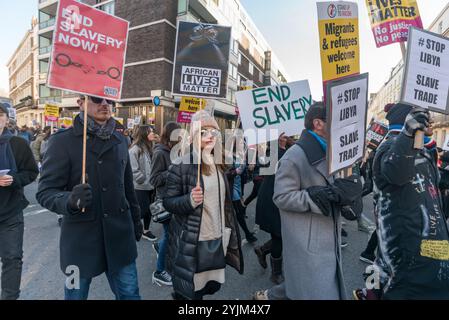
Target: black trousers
(256,186)
(145,198)
(11,254)
(240,212)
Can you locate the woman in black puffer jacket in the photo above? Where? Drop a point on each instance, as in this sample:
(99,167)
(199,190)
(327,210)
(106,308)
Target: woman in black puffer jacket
(200,213)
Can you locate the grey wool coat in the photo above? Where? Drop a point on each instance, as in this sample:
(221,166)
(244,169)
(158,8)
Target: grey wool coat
(311,240)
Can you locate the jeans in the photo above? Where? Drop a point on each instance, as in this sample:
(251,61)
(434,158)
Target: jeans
(163,243)
(11,253)
(123,284)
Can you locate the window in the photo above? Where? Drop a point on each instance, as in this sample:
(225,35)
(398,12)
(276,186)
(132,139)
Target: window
(235,47)
(233,71)
(43,66)
(240,58)
(251,68)
(182,7)
(108,7)
(261,77)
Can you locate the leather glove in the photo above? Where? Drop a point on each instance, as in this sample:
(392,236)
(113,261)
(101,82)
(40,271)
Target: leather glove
(138,230)
(323,198)
(417,120)
(80,197)
(348,213)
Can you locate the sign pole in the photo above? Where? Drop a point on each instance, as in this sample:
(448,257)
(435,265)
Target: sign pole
(419,136)
(83,177)
(198,181)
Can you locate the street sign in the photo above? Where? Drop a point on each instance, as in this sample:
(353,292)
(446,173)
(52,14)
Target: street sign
(157,101)
(89,49)
(426,77)
(347,106)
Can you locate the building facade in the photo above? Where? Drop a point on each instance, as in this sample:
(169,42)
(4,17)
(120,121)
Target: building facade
(150,55)
(22,79)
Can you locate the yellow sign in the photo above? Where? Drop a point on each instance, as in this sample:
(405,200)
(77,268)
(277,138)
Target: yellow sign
(192,104)
(51,111)
(435,249)
(66,122)
(339,39)
(120,120)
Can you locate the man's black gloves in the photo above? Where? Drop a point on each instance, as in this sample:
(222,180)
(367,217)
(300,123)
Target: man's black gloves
(417,120)
(138,230)
(323,198)
(343,192)
(80,197)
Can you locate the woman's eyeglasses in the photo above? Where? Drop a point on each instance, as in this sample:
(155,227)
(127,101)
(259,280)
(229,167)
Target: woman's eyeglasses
(212,132)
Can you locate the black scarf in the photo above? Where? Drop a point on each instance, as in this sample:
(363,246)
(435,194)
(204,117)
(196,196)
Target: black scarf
(103,132)
(7,160)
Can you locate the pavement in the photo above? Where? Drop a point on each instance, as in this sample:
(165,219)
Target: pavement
(42,278)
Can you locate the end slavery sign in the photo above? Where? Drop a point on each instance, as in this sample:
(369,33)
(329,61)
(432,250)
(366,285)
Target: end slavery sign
(281,108)
(89,48)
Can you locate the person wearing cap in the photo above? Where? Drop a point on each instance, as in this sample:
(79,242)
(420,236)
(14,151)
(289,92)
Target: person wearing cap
(101,219)
(17,170)
(202,214)
(412,231)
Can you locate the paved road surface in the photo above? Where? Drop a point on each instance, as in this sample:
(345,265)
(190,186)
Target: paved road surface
(42,278)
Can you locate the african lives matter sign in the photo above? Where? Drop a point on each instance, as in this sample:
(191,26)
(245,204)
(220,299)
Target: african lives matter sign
(202,60)
(347,105)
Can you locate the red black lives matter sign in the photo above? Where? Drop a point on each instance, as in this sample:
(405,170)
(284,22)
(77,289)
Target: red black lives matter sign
(202,60)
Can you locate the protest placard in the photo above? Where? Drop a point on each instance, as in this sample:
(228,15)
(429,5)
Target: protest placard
(282,107)
(390,20)
(89,48)
(51,113)
(339,39)
(66,122)
(445,146)
(119,120)
(346,118)
(426,74)
(130,123)
(202,60)
(376,134)
(188,106)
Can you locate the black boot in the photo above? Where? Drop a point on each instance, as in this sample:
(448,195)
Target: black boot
(262,253)
(276,270)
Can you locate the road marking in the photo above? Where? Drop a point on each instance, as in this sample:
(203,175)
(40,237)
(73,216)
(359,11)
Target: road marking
(36,212)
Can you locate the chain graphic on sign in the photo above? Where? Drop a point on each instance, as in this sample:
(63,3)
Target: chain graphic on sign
(63,60)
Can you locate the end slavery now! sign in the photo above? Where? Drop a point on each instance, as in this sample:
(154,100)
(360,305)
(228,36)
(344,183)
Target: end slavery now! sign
(89,48)
(281,108)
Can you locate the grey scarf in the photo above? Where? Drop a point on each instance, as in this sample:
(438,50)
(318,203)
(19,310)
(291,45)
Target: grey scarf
(103,132)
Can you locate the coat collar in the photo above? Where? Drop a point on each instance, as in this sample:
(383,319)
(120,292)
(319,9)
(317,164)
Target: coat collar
(314,152)
(99,149)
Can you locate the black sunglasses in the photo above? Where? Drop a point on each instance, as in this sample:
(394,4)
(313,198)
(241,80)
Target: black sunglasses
(100,100)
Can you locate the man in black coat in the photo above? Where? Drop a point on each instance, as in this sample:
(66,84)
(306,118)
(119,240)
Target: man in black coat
(103,238)
(413,235)
(17,169)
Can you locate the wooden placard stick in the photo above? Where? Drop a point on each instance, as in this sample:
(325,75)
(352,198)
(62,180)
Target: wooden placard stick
(83,173)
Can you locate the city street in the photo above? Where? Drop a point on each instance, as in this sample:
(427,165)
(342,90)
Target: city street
(42,278)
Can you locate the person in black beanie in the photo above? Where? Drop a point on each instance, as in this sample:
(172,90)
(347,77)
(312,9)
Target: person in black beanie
(412,231)
(17,169)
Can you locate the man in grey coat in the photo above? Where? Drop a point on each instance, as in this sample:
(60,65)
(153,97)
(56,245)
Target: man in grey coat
(310,203)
